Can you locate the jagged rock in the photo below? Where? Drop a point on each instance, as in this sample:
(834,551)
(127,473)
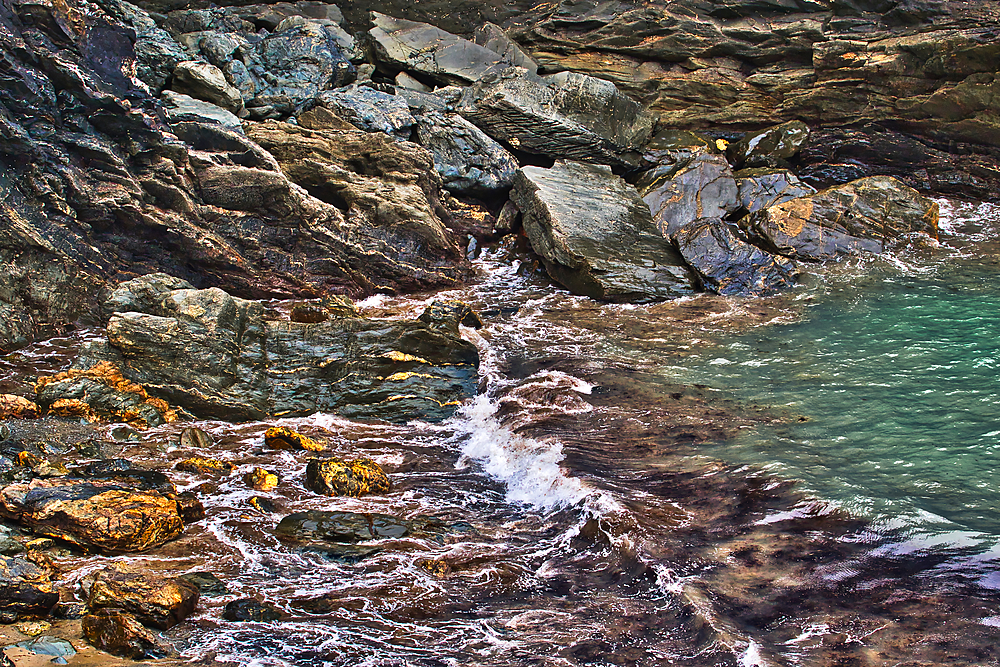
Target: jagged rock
(762,188)
(248,609)
(180,108)
(95,515)
(154,600)
(727,264)
(332,477)
(156,52)
(492,37)
(142,295)
(429,51)
(596,235)
(468,160)
(369,110)
(260,479)
(867,215)
(26,587)
(199,465)
(308,313)
(189,507)
(404,80)
(207,82)
(770,147)
(194,438)
(17,407)
(119,633)
(566,115)
(682,192)
(282,437)
(447,315)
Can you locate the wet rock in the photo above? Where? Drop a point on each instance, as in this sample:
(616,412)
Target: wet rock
(434,53)
(566,116)
(33,628)
(867,215)
(262,505)
(103,391)
(194,438)
(208,584)
(119,633)
(189,507)
(448,315)
(727,264)
(207,82)
(681,193)
(579,218)
(762,188)
(59,649)
(248,609)
(17,407)
(282,437)
(25,587)
(468,161)
(153,600)
(770,147)
(436,567)
(260,479)
(350,527)
(338,478)
(308,313)
(369,110)
(125,473)
(200,465)
(181,108)
(95,515)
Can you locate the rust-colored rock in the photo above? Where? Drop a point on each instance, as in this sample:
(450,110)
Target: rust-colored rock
(25,586)
(308,313)
(156,601)
(26,459)
(281,437)
(261,480)
(71,408)
(337,478)
(204,466)
(119,633)
(189,507)
(17,407)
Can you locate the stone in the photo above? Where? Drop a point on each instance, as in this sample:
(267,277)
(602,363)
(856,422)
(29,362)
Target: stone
(17,407)
(770,147)
(404,80)
(704,187)
(448,315)
(432,52)
(189,507)
(248,609)
(205,81)
(153,600)
(308,313)
(208,584)
(467,159)
(194,438)
(369,110)
(33,628)
(868,215)
(262,505)
(596,236)
(763,188)
(567,115)
(119,633)
(333,477)
(57,648)
(156,52)
(260,479)
(727,264)
(200,465)
(180,108)
(491,36)
(242,188)
(26,586)
(96,515)
(142,294)
(282,437)
(348,527)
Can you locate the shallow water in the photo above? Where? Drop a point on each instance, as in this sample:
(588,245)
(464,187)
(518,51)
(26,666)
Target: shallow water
(801,480)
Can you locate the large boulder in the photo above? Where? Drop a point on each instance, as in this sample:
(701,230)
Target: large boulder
(180,108)
(867,215)
(119,633)
(207,82)
(333,477)
(596,236)
(156,601)
(683,192)
(763,188)
(25,587)
(366,109)
(566,115)
(468,161)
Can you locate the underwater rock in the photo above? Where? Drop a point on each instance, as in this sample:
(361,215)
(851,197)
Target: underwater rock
(199,465)
(26,587)
(332,477)
(318,526)
(282,437)
(207,583)
(17,407)
(248,609)
(154,600)
(194,438)
(119,633)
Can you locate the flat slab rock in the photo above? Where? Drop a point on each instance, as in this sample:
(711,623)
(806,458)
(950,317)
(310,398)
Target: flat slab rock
(596,234)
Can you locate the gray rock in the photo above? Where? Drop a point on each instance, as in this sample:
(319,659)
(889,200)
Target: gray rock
(218,47)
(762,188)
(156,52)
(565,115)
(404,80)
(702,188)
(370,110)
(180,108)
(492,37)
(727,264)
(769,147)
(430,51)
(237,74)
(596,236)
(207,82)
(468,161)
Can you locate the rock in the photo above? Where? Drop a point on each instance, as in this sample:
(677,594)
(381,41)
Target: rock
(770,147)
(208,584)
(242,188)
(404,80)
(762,188)
(181,108)
(207,82)
(447,315)
(17,407)
(124,473)
(355,478)
(281,437)
(434,53)
(369,110)
(349,527)
(248,609)
(59,649)
(308,313)
(492,37)
(867,215)
(72,408)
(728,264)
(262,505)
(468,161)
(95,515)
(580,218)
(26,587)
(321,118)
(119,633)
(199,465)
(189,507)
(683,193)
(194,438)
(566,115)
(260,479)
(33,628)
(142,295)
(103,391)
(153,600)
(339,305)
(435,567)
(156,52)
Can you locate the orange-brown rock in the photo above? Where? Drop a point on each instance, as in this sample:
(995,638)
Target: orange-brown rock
(26,459)
(281,437)
(119,633)
(71,408)
(17,407)
(337,478)
(261,479)
(204,466)
(96,515)
(25,586)
(156,601)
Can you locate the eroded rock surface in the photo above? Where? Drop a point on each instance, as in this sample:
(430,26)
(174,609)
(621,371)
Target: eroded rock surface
(153,600)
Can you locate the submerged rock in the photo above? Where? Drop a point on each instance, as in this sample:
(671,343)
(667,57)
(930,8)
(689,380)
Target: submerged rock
(350,527)
(338,478)
(596,234)
(248,609)
(200,465)
(207,583)
(119,633)
(156,601)
(25,587)
(194,438)
(867,215)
